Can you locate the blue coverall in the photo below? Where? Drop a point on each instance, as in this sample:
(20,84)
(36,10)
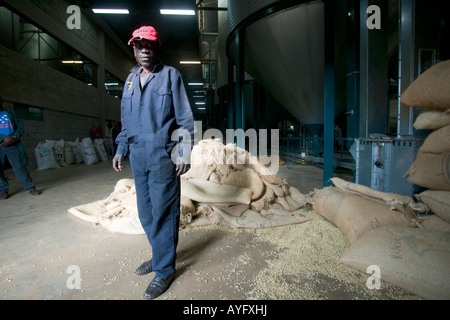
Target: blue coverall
(149,116)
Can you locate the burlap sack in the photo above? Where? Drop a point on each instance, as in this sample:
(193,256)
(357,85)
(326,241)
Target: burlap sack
(414,259)
(431,89)
(199,172)
(438,141)
(432,119)
(297,196)
(213,192)
(435,223)
(371,193)
(246,179)
(221,179)
(326,202)
(255,220)
(437,201)
(431,171)
(117,213)
(355,215)
(186,205)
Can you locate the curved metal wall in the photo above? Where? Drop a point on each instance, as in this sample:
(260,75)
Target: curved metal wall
(284,52)
(224,29)
(238,10)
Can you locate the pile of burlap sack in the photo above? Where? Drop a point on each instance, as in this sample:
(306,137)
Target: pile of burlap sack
(431,168)
(225,185)
(53,154)
(410,246)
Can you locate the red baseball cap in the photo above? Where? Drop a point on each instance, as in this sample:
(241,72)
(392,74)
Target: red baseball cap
(145,32)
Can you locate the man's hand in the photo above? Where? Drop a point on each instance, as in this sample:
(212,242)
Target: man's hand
(7,141)
(181,167)
(117,162)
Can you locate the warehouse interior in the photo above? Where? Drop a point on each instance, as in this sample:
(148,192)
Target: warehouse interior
(324,78)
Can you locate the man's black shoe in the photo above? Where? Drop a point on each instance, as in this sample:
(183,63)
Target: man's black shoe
(144,268)
(158,286)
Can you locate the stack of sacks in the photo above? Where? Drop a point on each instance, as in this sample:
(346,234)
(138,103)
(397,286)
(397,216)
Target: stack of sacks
(53,154)
(59,153)
(431,169)
(384,230)
(93,151)
(418,259)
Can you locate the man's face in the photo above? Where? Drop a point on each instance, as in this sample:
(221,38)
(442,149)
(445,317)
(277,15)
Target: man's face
(147,53)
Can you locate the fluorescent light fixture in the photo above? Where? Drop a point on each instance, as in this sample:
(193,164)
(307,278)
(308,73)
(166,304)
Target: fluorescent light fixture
(190,62)
(72,61)
(201,108)
(111,11)
(178,12)
(195,83)
(198,96)
(200,103)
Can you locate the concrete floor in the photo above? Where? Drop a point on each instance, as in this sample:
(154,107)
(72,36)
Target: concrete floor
(40,241)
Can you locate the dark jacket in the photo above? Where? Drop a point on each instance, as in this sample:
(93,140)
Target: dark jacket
(155,112)
(18,133)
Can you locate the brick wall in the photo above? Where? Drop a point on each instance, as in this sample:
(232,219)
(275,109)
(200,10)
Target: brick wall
(70,107)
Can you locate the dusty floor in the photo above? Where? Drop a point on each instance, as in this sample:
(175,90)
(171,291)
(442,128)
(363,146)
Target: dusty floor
(40,243)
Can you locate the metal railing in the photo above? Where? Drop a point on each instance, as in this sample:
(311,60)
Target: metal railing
(302,150)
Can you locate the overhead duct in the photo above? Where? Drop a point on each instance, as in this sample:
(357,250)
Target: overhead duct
(284,52)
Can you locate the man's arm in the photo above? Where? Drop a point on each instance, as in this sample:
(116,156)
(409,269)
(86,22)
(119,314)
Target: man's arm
(121,140)
(17,125)
(184,119)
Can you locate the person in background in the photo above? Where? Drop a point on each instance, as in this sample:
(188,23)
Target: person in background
(115,130)
(11,149)
(110,140)
(155,105)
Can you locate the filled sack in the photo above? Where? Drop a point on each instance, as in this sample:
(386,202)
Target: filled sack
(432,119)
(414,259)
(431,89)
(45,156)
(431,171)
(438,201)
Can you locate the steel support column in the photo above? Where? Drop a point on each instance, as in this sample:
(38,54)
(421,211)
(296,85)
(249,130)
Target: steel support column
(329,92)
(240,84)
(406,65)
(230,103)
(353,74)
(374,81)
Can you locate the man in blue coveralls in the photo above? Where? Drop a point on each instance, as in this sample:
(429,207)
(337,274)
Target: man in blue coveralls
(154,105)
(11,148)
